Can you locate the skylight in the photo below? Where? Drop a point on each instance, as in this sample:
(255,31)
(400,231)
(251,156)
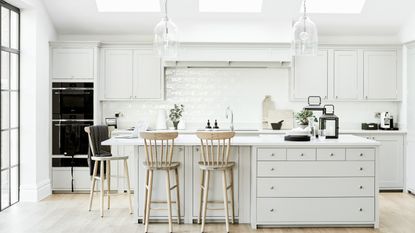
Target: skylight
(334,6)
(254,6)
(128,5)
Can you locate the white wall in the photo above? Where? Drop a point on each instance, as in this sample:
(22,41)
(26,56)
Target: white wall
(36,32)
(407,33)
(206,92)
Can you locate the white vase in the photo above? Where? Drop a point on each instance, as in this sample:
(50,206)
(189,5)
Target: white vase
(161,120)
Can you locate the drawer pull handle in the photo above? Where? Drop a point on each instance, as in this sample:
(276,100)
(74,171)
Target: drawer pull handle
(361,187)
(271,210)
(272,154)
(360,209)
(331,154)
(361,154)
(361,169)
(272,187)
(302,155)
(272,169)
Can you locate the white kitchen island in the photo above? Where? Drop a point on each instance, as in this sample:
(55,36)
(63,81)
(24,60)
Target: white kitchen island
(277,183)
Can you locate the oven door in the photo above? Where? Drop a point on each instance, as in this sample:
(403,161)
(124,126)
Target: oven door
(69,137)
(72,103)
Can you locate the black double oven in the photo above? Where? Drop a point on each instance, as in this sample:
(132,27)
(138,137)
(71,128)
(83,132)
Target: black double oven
(72,111)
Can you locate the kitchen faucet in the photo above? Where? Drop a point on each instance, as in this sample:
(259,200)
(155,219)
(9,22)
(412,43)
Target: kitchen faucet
(229,112)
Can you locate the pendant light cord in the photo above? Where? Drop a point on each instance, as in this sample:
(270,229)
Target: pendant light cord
(165,8)
(305,15)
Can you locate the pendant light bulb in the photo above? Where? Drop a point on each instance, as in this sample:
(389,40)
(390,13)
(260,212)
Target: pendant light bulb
(166,36)
(305,36)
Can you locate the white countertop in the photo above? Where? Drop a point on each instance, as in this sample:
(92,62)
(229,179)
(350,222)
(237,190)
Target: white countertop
(279,132)
(263,140)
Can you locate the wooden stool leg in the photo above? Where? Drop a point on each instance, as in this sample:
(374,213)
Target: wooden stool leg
(202,180)
(177,195)
(102,187)
(148,202)
(127,176)
(232,196)
(109,182)
(205,200)
(225,200)
(94,174)
(145,197)
(169,200)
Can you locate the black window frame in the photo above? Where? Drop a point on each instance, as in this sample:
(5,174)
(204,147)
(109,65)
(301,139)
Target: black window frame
(17,52)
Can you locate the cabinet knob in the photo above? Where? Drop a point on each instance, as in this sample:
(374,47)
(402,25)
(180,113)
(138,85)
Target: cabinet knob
(272,154)
(325,97)
(361,154)
(361,169)
(366,97)
(337,97)
(272,169)
(361,209)
(361,187)
(272,188)
(271,210)
(301,154)
(331,154)
(197,149)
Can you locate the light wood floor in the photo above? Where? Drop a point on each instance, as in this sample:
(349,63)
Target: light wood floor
(67,213)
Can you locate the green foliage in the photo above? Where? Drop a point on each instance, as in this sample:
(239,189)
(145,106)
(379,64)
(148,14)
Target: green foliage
(302,117)
(176,113)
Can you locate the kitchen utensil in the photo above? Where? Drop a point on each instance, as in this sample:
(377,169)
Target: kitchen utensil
(287,116)
(277,126)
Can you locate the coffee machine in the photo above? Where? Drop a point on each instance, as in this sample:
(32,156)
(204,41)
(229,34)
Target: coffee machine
(386,121)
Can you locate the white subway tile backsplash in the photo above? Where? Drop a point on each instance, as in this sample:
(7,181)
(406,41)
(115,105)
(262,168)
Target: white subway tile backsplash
(206,92)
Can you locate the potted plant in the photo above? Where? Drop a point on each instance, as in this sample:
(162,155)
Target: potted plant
(176,114)
(302,117)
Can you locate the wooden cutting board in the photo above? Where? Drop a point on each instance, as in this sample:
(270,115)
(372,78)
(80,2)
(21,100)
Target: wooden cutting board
(275,116)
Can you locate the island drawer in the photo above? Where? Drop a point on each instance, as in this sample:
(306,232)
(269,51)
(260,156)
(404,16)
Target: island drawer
(360,154)
(308,210)
(315,168)
(331,154)
(316,187)
(271,154)
(301,154)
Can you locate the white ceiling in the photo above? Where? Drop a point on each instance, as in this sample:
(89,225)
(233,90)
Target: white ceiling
(378,17)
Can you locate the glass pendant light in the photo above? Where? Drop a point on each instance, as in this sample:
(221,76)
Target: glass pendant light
(305,36)
(166,40)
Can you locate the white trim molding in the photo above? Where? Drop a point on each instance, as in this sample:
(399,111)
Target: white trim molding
(36,192)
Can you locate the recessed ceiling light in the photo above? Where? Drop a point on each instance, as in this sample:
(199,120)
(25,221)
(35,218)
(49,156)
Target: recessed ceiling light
(128,5)
(249,6)
(334,6)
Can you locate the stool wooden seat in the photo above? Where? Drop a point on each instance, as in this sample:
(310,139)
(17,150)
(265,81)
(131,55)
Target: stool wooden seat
(215,150)
(159,157)
(104,163)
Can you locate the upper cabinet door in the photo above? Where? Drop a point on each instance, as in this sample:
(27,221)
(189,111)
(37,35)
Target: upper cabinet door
(310,76)
(147,81)
(72,63)
(381,75)
(346,75)
(118,74)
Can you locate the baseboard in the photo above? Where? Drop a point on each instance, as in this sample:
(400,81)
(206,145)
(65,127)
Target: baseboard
(35,193)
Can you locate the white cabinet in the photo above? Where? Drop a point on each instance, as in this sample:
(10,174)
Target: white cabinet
(132,74)
(380,75)
(118,181)
(390,161)
(118,74)
(310,190)
(310,76)
(410,158)
(72,63)
(346,75)
(62,179)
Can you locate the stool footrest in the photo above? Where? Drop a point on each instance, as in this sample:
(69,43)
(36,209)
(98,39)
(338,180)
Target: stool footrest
(173,187)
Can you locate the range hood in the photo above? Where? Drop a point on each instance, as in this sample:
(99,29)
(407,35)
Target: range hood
(232,56)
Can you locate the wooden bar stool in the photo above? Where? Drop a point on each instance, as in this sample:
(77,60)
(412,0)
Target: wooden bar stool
(215,150)
(159,156)
(104,162)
